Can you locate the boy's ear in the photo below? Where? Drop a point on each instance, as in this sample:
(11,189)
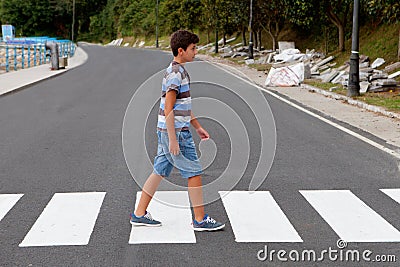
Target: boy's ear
(180,50)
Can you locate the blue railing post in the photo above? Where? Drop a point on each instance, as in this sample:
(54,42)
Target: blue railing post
(23,57)
(34,56)
(29,56)
(40,54)
(7,60)
(45,55)
(15,58)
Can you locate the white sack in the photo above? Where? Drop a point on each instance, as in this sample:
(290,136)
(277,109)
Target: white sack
(286,76)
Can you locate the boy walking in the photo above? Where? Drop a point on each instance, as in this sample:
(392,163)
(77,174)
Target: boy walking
(175,143)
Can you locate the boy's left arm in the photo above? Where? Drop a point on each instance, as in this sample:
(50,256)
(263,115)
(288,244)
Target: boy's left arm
(203,134)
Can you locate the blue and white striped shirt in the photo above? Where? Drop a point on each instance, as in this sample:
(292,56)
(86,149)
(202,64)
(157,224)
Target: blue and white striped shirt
(176,78)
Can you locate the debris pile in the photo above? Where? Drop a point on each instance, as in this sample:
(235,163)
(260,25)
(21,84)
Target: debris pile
(289,67)
(371,78)
(116,42)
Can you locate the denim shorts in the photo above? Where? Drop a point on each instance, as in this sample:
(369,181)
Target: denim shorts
(186,161)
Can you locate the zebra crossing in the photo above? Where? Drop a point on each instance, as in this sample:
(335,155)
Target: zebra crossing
(69,218)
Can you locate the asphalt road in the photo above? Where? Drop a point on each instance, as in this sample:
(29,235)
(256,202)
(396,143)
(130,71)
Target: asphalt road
(65,135)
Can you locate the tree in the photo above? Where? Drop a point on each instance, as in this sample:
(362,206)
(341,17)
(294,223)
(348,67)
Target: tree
(305,13)
(29,17)
(48,17)
(271,18)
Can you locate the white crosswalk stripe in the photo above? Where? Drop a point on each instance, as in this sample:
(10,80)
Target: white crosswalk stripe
(350,217)
(173,210)
(394,193)
(264,220)
(7,201)
(68,219)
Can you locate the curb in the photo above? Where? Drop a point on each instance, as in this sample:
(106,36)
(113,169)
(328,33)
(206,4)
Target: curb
(76,62)
(351,101)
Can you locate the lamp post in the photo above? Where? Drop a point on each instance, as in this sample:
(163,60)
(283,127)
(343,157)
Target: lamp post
(157,25)
(354,75)
(251,31)
(73,20)
(216,26)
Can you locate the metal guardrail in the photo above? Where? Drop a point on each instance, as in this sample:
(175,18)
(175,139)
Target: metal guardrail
(21,53)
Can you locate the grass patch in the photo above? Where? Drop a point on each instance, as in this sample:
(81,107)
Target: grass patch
(375,42)
(237,60)
(389,100)
(326,86)
(260,67)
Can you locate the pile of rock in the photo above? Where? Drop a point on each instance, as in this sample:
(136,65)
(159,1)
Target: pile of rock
(316,65)
(116,42)
(371,79)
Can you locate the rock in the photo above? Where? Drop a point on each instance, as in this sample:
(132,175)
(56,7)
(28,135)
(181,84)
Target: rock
(283,45)
(333,88)
(315,73)
(364,76)
(325,71)
(364,87)
(363,65)
(323,68)
(393,75)
(339,77)
(249,61)
(377,88)
(226,49)
(384,82)
(266,52)
(378,62)
(307,71)
(378,76)
(367,70)
(321,62)
(377,72)
(238,54)
(262,60)
(329,77)
(237,45)
(270,56)
(225,55)
(205,46)
(364,58)
(392,67)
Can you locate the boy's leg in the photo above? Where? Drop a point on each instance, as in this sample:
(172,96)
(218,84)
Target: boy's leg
(196,196)
(148,191)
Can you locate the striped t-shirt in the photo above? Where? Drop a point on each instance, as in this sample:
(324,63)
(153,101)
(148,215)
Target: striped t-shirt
(176,78)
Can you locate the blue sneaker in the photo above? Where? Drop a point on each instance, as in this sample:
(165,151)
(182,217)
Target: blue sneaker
(145,220)
(207,224)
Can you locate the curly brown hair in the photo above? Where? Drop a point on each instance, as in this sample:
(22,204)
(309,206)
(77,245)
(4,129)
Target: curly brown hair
(182,39)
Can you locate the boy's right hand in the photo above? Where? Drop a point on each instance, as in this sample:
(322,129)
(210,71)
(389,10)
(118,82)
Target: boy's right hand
(174,147)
